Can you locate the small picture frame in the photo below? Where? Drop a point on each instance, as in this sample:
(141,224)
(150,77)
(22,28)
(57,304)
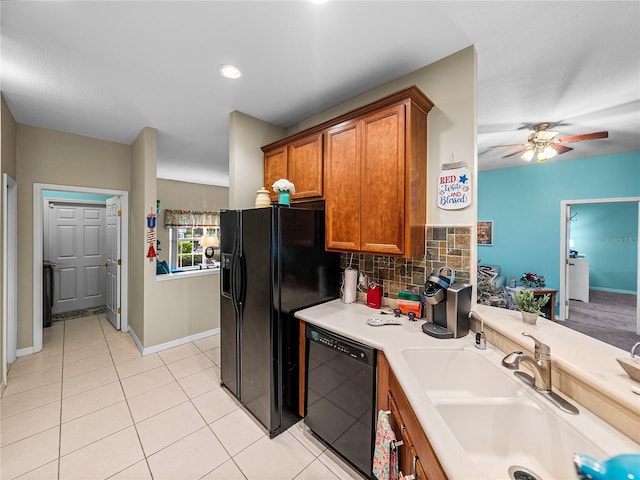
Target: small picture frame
(485,232)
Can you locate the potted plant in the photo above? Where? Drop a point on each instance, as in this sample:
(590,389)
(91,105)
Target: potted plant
(529,305)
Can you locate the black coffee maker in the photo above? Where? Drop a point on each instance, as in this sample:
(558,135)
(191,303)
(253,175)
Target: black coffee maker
(435,294)
(447,306)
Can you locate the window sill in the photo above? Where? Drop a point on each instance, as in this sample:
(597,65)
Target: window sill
(186,274)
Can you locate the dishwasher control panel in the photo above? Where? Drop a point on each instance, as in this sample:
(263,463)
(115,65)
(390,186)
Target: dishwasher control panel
(340,344)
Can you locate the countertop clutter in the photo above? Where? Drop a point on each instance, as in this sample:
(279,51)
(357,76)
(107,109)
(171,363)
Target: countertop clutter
(582,359)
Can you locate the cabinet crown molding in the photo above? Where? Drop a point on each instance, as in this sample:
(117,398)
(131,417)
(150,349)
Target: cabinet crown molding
(413,93)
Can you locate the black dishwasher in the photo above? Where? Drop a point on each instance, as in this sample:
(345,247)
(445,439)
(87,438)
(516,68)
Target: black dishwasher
(340,395)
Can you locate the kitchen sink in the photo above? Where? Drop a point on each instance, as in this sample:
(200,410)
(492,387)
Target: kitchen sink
(507,429)
(459,373)
(500,434)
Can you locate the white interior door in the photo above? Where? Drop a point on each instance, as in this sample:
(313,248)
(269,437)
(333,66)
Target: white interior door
(77,247)
(114,224)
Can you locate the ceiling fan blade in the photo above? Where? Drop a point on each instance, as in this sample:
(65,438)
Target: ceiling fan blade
(561,148)
(514,153)
(584,136)
(507,145)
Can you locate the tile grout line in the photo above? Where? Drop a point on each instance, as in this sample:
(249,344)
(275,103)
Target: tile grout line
(133,422)
(315,457)
(192,404)
(64,334)
(207,425)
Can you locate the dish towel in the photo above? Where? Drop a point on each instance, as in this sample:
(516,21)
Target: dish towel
(385,456)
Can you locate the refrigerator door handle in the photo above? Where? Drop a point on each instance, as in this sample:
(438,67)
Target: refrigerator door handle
(237,281)
(242,281)
(232,283)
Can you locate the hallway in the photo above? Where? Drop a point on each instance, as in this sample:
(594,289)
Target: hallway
(89,406)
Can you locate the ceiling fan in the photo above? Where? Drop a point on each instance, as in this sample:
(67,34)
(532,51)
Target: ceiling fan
(543,144)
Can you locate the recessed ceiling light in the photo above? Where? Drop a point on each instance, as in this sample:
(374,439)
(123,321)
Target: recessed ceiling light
(230,71)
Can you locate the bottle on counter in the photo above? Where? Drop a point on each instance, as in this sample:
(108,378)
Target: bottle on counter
(620,467)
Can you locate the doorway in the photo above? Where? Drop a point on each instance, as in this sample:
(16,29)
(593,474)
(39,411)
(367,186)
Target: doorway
(75,246)
(567,262)
(38,242)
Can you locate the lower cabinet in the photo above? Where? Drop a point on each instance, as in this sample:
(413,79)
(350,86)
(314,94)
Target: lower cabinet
(415,456)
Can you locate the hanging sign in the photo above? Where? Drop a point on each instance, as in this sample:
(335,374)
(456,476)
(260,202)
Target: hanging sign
(454,186)
(151,236)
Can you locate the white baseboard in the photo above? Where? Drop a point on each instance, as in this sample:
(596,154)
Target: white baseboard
(172,343)
(21,352)
(135,340)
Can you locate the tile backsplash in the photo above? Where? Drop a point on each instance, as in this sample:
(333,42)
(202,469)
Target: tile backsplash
(446,246)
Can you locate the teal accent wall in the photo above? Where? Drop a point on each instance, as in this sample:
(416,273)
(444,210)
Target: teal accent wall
(51,194)
(607,235)
(524,204)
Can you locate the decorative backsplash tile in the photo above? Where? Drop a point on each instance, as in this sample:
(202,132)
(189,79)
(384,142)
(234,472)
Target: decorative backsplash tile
(445,247)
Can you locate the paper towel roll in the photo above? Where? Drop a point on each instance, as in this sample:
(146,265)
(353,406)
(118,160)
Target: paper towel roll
(350,285)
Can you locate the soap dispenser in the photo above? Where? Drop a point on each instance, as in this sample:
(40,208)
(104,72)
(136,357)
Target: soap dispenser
(620,467)
(481,341)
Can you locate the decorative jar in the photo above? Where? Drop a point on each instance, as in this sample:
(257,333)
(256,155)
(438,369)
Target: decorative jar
(262,198)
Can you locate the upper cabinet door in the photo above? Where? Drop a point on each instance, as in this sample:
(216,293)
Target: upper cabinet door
(342,186)
(275,168)
(383,182)
(304,162)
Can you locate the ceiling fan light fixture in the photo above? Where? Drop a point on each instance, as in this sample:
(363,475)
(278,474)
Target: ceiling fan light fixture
(528,155)
(546,153)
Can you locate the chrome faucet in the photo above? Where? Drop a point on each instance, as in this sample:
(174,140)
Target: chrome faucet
(540,364)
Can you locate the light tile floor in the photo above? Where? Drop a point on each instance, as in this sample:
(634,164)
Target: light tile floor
(89,406)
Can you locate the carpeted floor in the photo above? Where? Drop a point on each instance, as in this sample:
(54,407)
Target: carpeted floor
(610,317)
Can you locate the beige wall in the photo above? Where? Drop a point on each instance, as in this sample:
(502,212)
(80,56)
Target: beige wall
(7,141)
(142,201)
(48,156)
(182,308)
(51,157)
(246,169)
(8,166)
(174,195)
(187,306)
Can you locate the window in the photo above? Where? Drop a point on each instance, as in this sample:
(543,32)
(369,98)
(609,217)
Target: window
(188,246)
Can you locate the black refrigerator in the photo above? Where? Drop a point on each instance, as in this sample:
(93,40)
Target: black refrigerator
(273,263)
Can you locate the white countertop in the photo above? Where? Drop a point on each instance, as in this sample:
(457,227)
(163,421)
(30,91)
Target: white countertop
(349,320)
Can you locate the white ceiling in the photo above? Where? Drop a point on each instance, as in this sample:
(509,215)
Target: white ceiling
(107,69)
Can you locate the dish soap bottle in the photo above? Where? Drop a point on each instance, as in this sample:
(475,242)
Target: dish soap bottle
(620,467)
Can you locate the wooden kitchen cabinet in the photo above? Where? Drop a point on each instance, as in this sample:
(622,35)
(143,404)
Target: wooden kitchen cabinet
(375,178)
(342,184)
(300,161)
(416,455)
(370,167)
(275,168)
